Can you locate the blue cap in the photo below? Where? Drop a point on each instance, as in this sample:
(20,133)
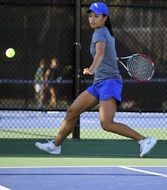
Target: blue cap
(99,8)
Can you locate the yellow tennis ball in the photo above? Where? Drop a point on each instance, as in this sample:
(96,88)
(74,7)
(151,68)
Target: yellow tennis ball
(10,52)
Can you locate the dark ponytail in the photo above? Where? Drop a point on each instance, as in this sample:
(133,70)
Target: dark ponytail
(108,25)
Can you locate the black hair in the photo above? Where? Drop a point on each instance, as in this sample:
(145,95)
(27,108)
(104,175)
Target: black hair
(108,25)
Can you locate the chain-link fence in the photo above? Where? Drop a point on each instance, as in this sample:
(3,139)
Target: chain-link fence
(41,80)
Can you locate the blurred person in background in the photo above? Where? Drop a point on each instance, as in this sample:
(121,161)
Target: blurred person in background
(51,76)
(39,84)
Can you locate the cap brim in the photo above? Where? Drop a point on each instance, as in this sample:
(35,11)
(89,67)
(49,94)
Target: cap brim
(95,11)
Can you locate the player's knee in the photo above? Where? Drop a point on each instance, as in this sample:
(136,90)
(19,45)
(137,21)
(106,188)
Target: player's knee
(104,125)
(107,125)
(71,112)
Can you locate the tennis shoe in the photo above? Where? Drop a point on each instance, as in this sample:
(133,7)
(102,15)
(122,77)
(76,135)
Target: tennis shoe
(146,145)
(49,147)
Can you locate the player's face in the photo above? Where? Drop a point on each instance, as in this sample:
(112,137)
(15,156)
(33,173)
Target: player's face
(96,21)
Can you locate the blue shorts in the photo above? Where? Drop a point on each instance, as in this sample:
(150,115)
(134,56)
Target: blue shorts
(107,89)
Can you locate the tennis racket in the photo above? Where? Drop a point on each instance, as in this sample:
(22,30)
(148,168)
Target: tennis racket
(139,66)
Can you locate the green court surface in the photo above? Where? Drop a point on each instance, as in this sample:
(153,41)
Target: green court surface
(22,153)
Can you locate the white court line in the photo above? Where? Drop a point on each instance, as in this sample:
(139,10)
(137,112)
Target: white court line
(75,166)
(143,171)
(3,188)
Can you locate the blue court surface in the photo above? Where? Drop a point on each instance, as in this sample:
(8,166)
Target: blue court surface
(84,178)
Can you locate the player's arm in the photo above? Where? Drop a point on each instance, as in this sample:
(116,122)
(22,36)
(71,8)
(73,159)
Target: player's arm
(100,49)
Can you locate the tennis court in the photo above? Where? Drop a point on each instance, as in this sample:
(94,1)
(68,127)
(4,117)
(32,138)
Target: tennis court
(115,164)
(87,177)
(91,158)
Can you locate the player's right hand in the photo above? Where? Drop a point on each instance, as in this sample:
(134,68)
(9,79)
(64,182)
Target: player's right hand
(87,71)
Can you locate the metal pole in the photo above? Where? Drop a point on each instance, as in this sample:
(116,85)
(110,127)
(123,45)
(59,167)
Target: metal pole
(77,46)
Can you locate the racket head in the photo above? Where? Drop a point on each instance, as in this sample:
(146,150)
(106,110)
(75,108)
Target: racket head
(140,67)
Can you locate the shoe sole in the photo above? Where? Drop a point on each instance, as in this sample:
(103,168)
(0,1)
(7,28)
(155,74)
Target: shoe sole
(37,144)
(149,150)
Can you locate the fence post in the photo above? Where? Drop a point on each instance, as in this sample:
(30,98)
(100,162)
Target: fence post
(77,46)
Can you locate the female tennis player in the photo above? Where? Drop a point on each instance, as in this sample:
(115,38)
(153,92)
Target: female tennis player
(105,90)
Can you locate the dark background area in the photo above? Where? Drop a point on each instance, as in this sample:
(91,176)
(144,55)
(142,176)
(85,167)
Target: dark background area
(46,29)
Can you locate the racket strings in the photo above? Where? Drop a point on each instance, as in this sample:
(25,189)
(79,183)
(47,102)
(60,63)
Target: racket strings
(140,67)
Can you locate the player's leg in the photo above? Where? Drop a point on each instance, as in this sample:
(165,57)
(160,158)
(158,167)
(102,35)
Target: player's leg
(83,102)
(107,112)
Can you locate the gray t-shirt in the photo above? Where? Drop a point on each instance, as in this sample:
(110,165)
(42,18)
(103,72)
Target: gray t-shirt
(108,67)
